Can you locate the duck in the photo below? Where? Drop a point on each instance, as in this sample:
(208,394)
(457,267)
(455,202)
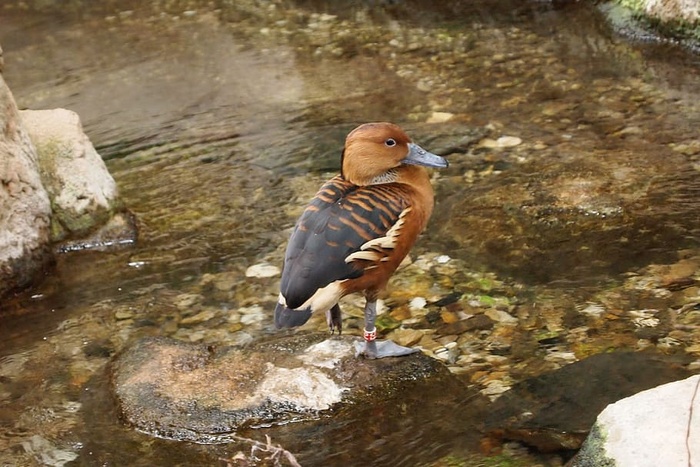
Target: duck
(357,229)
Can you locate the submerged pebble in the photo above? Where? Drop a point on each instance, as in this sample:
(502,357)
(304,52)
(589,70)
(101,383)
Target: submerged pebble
(262,271)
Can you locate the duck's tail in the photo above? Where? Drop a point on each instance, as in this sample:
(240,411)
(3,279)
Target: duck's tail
(288,318)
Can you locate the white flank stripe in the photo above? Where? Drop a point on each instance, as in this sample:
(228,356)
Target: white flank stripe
(324,298)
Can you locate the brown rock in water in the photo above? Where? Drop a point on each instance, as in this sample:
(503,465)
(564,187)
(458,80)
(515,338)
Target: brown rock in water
(574,215)
(555,411)
(193,392)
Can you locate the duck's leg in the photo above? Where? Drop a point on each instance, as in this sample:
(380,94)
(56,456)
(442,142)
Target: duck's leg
(372,347)
(334,319)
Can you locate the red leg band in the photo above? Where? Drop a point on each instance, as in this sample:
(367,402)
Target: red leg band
(370,335)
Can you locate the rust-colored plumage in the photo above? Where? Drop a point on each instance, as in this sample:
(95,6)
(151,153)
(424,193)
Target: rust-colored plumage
(357,229)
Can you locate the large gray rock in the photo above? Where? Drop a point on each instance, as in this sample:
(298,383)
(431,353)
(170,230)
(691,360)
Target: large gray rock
(660,426)
(25,211)
(83,193)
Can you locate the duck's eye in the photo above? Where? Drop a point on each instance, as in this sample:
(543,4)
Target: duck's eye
(390,142)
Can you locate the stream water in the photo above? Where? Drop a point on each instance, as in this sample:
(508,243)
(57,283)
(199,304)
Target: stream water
(219,120)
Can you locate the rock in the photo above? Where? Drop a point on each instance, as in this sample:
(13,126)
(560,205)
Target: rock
(262,270)
(448,138)
(501,316)
(25,210)
(556,410)
(186,301)
(252,314)
(440,117)
(46,453)
(119,231)
(417,303)
(406,337)
(655,427)
(200,317)
(83,194)
(576,215)
(176,390)
(672,10)
(676,21)
(476,322)
(502,142)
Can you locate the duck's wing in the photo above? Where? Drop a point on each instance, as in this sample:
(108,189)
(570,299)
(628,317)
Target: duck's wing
(343,230)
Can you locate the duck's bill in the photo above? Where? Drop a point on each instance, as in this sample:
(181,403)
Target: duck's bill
(419,156)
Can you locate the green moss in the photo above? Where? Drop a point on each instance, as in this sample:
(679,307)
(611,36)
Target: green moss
(677,29)
(592,453)
(503,460)
(635,5)
(386,323)
(499,460)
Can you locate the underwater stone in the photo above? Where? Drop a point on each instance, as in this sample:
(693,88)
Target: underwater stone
(541,411)
(262,270)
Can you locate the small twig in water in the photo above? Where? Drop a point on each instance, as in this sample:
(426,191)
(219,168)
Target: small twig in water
(274,453)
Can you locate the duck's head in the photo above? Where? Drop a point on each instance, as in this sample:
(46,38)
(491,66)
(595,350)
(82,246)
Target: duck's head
(375,152)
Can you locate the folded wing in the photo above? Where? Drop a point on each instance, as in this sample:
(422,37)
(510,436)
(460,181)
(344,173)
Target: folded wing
(345,230)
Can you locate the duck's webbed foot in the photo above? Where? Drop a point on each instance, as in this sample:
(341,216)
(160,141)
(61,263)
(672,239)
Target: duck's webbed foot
(334,319)
(372,348)
(381,349)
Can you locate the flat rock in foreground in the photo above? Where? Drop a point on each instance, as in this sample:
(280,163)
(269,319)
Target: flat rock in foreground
(193,392)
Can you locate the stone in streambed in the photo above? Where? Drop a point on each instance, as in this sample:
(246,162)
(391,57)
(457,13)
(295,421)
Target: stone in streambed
(192,392)
(556,410)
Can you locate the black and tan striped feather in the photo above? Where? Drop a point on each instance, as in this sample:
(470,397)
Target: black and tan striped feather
(336,224)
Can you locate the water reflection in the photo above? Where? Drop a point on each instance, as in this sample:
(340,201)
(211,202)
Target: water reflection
(219,124)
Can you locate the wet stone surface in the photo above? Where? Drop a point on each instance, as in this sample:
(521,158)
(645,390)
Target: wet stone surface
(555,411)
(586,210)
(201,393)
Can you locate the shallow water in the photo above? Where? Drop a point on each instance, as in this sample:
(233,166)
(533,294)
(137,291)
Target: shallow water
(219,123)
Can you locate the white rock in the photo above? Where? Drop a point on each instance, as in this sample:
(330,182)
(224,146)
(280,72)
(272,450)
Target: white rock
(253,314)
(501,316)
(417,303)
(305,387)
(73,173)
(440,117)
(502,142)
(442,259)
(592,309)
(508,141)
(262,270)
(327,354)
(494,389)
(657,427)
